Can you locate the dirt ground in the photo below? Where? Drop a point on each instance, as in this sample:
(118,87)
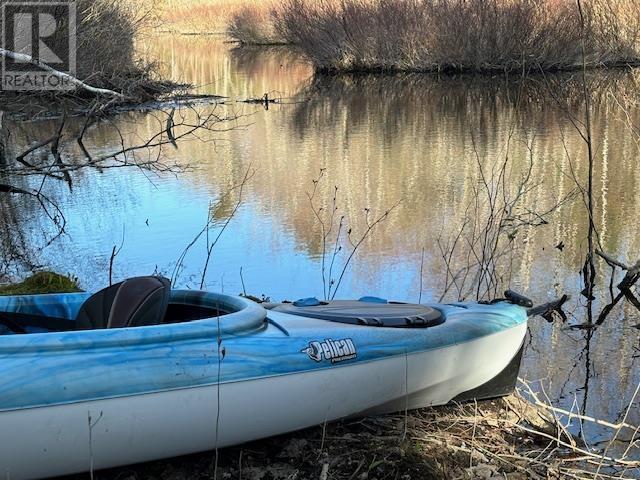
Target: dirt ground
(472,441)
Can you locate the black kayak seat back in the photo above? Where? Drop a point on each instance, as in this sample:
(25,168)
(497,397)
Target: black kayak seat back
(136,302)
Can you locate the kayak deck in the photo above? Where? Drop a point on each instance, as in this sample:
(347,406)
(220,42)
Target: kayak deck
(254,344)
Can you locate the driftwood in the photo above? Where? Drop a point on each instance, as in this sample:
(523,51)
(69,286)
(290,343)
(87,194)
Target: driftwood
(21,57)
(264,101)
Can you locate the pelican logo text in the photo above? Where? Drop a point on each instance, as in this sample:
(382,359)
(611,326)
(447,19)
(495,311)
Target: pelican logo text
(332,350)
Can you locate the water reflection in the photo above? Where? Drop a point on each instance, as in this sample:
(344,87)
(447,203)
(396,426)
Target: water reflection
(15,247)
(380,139)
(219,68)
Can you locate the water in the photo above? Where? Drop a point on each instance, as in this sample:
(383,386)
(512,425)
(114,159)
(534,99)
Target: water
(381,140)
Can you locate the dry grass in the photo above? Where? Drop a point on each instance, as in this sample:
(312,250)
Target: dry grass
(508,438)
(460,35)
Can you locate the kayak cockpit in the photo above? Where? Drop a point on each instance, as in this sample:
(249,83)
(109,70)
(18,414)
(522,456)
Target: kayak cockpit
(137,302)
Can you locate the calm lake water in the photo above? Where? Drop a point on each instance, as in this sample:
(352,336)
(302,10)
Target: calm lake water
(381,139)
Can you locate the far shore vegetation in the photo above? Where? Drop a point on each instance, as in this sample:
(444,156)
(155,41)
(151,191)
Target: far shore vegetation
(444,35)
(356,36)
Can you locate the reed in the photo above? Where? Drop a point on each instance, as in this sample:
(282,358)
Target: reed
(460,35)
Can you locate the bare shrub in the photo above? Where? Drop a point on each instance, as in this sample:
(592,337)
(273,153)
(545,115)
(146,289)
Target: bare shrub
(251,24)
(337,254)
(459,35)
(478,257)
(105,35)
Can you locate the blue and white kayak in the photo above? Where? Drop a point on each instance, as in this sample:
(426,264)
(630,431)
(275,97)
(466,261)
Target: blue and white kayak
(140,372)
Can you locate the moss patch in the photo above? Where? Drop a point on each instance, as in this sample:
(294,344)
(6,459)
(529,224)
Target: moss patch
(42,282)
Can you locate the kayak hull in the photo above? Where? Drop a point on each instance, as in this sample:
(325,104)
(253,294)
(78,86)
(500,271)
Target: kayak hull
(361,371)
(107,433)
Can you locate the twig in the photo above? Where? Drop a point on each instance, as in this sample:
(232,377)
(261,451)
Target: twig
(612,261)
(569,414)
(114,254)
(589,270)
(615,437)
(421,279)
(244,290)
(210,246)
(355,246)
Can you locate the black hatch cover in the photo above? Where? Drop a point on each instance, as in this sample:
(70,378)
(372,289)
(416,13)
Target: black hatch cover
(372,312)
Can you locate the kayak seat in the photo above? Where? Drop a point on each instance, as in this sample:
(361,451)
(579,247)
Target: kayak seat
(135,302)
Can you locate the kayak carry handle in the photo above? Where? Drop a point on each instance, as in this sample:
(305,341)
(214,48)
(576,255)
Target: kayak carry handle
(518,299)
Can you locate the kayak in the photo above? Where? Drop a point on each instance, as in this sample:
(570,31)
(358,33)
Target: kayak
(139,372)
